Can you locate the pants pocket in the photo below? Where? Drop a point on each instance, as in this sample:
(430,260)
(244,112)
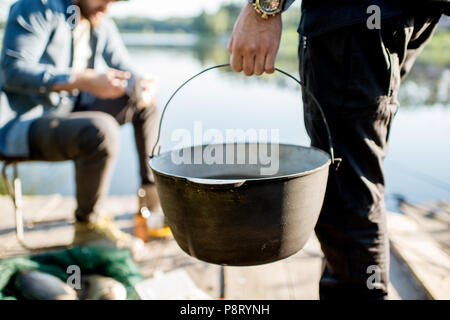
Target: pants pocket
(370,72)
(322,71)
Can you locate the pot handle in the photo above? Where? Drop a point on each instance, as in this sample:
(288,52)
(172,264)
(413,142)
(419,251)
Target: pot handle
(308,92)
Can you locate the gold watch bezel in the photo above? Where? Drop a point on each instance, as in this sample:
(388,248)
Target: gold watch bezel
(264,14)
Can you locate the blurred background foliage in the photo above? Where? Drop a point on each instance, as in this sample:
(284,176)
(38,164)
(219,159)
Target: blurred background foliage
(214,29)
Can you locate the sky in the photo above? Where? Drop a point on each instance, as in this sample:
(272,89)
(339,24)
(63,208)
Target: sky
(151,8)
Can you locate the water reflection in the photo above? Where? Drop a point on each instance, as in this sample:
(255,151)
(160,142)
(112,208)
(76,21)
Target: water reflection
(427,84)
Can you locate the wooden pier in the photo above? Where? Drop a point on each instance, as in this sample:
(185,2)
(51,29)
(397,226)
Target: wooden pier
(420,262)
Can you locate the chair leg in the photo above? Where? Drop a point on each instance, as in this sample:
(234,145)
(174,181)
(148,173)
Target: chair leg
(18,202)
(15,193)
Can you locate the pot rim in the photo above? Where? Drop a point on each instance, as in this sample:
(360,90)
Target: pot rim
(245,180)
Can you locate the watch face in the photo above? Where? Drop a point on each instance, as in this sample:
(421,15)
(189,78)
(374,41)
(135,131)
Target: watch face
(270,6)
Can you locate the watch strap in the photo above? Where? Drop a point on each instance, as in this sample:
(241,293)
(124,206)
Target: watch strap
(266,15)
(286,3)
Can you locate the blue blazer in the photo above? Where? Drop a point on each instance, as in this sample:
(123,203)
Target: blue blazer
(36,54)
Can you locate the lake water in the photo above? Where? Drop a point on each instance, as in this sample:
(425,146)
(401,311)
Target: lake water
(417,167)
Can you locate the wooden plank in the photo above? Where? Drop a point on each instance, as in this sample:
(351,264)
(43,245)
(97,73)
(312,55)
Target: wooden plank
(34,208)
(46,211)
(49,208)
(165,256)
(259,282)
(403,285)
(305,270)
(43,237)
(296,277)
(424,257)
(433,218)
(300,286)
(205,275)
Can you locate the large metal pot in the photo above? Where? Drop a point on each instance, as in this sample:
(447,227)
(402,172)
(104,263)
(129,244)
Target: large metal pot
(231,214)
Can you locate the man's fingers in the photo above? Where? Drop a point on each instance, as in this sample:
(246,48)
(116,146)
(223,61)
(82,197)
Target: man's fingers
(119,84)
(270,63)
(147,83)
(249,65)
(230,45)
(252,37)
(236,62)
(116,92)
(260,61)
(124,75)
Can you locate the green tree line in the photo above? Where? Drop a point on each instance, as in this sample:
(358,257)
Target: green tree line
(205,24)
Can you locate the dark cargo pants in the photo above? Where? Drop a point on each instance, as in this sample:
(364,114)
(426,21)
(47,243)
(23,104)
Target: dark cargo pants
(90,137)
(355,74)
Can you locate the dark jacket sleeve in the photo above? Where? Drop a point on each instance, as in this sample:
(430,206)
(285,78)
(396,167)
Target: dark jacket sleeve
(287,4)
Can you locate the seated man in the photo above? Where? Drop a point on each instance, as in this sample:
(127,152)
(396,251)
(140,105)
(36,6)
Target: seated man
(66,110)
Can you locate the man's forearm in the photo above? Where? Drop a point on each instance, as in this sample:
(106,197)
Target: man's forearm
(75,82)
(25,77)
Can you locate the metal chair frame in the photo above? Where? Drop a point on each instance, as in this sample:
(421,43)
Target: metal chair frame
(14,190)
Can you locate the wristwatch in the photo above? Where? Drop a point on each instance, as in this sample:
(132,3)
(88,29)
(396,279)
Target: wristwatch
(267,8)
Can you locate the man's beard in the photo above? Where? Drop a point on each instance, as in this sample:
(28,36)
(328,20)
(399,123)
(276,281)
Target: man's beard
(93,19)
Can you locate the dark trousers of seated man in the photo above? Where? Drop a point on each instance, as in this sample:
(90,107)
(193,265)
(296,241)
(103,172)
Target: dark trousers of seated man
(90,137)
(355,74)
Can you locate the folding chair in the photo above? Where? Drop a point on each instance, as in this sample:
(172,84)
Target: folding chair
(14,190)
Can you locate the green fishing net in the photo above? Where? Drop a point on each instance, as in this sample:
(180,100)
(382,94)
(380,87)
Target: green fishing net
(114,263)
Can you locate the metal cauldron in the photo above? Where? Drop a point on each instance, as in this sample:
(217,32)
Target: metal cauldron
(231,214)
